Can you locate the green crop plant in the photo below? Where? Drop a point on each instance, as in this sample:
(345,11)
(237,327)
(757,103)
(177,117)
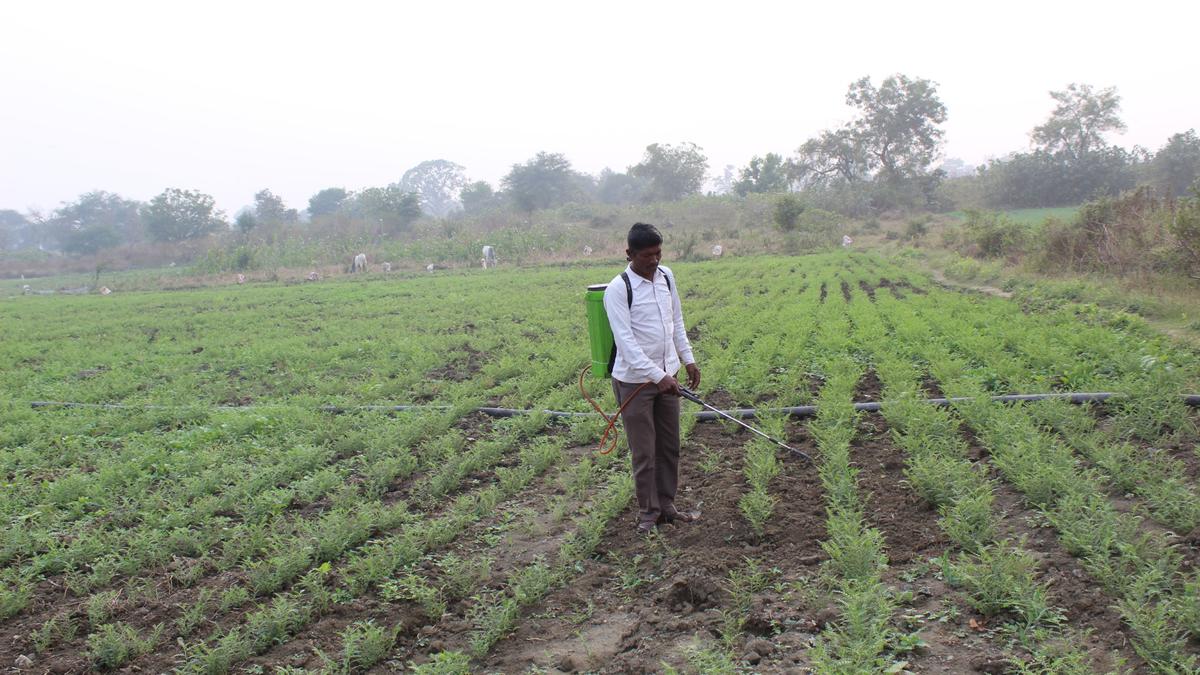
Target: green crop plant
(742,583)
(941,480)
(443,663)
(271,624)
(757,506)
(1157,637)
(114,645)
(58,628)
(414,587)
(364,644)
(460,575)
(1186,605)
(14,598)
(234,596)
(855,551)
(1002,578)
(194,614)
(1061,655)
(761,465)
(857,642)
(581,478)
(970,521)
(102,605)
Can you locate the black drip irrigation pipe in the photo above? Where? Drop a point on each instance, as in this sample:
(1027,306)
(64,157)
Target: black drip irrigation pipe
(703,416)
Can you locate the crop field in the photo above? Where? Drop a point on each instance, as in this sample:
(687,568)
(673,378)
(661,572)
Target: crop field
(1034,216)
(204,514)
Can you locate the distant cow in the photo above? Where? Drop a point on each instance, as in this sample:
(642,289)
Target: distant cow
(360,263)
(846,240)
(26,289)
(241,278)
(314,276)
(717,250)
(387,267)
(104,290)
(587,250)
(430,267)
(489,257)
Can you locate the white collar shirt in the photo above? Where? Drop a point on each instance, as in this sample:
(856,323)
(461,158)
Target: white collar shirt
(650,337)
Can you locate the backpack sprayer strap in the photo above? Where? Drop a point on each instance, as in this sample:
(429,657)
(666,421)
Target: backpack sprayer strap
(612,358)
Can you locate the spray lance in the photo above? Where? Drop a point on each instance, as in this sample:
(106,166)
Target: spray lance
(604,350)
(691,396)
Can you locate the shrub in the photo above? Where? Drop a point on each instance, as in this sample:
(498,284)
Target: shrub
(995,235)
(787,211)
(1185,229)
(917,227)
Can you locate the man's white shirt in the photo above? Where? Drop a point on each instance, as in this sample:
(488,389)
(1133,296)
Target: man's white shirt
(650,337)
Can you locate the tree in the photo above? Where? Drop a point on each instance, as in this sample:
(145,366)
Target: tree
(763,174)
(176,215)
(543,182)
(897,127)
(477,197)
(614,187)
(245,221)
(12,229)
(269,209)
(388,207)
(326,201)
(95,221)
(1078,123)
(671,172)
(1177,165)
(438,183)
(831,157)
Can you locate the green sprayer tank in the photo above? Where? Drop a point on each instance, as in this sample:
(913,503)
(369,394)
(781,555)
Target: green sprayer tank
(600,334)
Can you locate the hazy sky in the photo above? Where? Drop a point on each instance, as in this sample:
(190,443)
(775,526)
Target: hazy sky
(232,97)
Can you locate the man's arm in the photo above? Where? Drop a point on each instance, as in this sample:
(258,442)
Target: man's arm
(616,305)
(683,346)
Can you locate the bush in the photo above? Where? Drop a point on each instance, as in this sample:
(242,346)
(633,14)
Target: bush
(1185,229)
(1136,232)
(995,235)
(787,211)
(917,227)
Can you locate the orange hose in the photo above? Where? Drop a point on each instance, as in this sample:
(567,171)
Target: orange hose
(612,421)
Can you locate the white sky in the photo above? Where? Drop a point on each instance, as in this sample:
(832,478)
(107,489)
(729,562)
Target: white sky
(232,97)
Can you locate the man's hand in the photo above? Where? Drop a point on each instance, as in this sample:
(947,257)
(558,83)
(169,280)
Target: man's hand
(668,385)
(693,372)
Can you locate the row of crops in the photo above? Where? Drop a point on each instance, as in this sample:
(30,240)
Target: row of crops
(223,523)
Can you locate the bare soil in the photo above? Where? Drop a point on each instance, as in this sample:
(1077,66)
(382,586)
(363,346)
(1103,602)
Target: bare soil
(640,602)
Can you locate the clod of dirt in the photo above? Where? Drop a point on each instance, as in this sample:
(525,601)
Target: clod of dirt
(762,647)
(23,662)
(752,658)
(568,663)
(695,593)
(825,617)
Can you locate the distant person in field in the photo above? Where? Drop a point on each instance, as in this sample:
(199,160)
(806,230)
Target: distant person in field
(643,309)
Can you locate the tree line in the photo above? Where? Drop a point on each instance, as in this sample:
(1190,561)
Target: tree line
(886,157)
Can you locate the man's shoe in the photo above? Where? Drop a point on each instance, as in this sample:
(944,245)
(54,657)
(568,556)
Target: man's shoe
(676,516)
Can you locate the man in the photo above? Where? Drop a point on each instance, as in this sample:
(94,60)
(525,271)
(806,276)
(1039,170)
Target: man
(651,343)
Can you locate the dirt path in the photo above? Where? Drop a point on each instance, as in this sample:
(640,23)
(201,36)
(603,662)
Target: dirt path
(940,278)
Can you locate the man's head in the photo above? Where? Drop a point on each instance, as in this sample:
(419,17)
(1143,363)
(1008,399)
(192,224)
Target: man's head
(645,249)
